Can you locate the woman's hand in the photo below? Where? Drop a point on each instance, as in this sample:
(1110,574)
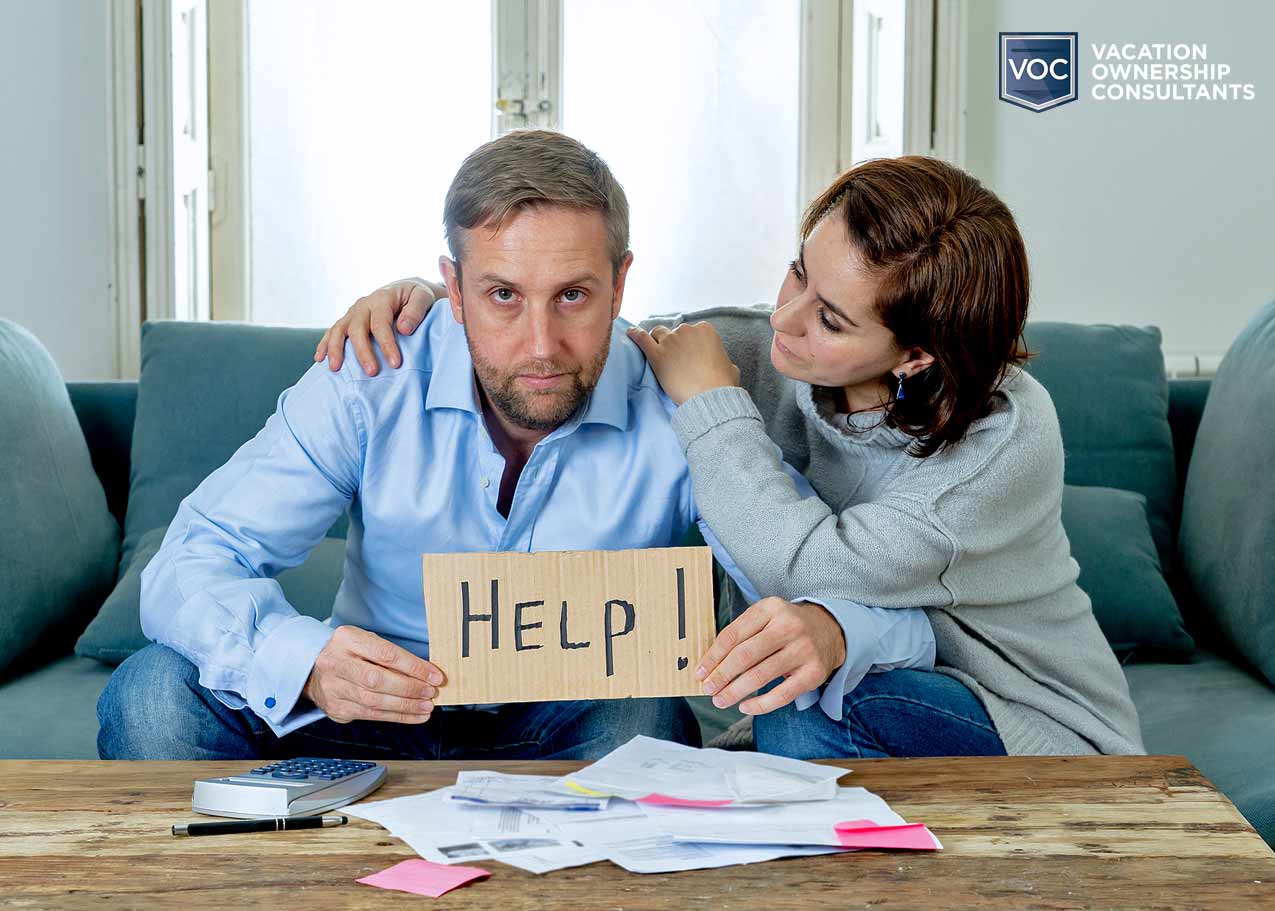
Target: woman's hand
(373,316)
(687,360)
(802,643)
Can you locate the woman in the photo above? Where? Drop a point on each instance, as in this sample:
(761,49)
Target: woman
(889,374)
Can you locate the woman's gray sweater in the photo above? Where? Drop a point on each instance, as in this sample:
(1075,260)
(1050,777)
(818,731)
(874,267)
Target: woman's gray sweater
(973,534)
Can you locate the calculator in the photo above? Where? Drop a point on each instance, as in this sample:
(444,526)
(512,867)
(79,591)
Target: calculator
(290,787)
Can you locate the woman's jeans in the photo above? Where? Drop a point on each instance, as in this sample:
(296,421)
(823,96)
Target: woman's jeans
(897,713)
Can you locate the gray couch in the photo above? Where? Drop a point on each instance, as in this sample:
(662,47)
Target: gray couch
(1126,430)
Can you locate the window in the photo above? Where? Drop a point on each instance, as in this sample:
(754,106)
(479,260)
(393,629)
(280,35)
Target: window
(699,123)
(359,116)
(341,126)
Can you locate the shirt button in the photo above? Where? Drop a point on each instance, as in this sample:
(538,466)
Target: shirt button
(484,482)
(269,702)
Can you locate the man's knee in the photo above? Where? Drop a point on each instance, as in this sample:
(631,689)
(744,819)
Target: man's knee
(665,718)
(149,707)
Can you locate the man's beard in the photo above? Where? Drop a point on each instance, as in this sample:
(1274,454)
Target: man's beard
(529,408)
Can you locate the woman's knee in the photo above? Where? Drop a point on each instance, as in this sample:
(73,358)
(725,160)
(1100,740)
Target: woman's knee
(911,712)
(808,734)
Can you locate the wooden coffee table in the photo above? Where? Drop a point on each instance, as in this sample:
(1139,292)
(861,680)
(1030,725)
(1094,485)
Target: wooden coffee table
(1125,832)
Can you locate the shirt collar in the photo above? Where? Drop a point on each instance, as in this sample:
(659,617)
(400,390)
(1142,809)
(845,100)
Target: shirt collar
(452,383)
(609,403)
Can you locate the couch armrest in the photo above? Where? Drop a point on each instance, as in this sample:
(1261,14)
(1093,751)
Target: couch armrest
(106,411)
(1186,405)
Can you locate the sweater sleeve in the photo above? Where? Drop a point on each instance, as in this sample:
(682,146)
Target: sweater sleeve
(876,639)
(888,553)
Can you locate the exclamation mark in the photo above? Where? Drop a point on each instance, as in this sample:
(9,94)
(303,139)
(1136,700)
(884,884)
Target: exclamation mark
(681,614)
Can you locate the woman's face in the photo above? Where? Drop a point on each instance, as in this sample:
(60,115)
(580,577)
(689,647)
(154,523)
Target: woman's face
(827,332)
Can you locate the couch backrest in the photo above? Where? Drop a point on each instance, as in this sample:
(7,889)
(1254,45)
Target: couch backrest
(107,410)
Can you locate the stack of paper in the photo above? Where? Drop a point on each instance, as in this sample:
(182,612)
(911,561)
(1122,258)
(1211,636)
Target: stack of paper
(649,807)
(658,772)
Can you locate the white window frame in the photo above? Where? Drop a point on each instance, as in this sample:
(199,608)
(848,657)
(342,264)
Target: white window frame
(163,170)
(230,182)
(824,106)
(526,65)
(934,55)
(950,29)
(124,168)
(142,219)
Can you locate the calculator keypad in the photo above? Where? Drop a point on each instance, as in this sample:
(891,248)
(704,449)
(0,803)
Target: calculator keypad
(310,769)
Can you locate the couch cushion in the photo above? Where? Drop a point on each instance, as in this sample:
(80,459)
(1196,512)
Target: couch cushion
(1109,387)
(58,541)
(51,713)
(116,631)
(1222,718)
(1228,509)
(205,390)
(1120,571)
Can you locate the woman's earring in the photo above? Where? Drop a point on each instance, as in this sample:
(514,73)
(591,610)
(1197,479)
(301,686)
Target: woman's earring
(898,395)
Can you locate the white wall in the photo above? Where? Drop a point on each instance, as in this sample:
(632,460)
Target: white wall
(55,256)
(1159,213)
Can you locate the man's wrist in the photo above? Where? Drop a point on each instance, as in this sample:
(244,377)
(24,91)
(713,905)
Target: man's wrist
(283,664)
(305,689)
(830,635)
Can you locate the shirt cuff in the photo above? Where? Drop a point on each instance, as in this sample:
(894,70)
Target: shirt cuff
(877,640)
(280,668)
(860,653)
(701,413)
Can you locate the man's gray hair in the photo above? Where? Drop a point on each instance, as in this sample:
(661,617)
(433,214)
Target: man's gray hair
(529,168)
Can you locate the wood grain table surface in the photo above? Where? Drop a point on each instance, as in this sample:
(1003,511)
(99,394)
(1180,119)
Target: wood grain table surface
(1059,832)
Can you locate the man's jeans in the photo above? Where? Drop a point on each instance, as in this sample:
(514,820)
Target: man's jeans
(897,713)
(155,708)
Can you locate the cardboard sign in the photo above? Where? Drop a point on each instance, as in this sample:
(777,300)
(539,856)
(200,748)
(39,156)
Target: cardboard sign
(590,624)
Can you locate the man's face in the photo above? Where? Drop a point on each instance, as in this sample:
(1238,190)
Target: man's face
(537,299)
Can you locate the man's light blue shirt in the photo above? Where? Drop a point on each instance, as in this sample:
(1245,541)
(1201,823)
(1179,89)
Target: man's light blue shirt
(407,454)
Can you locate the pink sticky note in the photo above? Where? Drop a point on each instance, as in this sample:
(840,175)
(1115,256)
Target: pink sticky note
(423,878)
(663,800)
(863,833)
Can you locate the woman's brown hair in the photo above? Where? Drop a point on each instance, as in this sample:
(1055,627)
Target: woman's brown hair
(952,278)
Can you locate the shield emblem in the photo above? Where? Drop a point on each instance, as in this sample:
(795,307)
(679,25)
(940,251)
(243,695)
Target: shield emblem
(1038,69)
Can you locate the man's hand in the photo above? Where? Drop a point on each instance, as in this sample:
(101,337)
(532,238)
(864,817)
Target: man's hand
(802,643)
(687,360)
(360,675)
(373,316)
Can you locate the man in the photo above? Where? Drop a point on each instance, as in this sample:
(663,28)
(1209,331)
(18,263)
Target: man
(521,418)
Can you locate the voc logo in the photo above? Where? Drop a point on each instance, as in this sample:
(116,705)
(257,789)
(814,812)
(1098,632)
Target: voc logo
(1038,69)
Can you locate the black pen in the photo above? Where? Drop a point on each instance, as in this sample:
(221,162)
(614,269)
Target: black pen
(269,824)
